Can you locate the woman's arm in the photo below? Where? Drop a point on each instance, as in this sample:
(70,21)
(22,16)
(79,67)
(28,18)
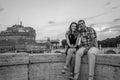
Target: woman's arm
(77,41)
(68,42)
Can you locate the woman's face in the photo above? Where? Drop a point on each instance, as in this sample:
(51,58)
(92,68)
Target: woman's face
(73,27)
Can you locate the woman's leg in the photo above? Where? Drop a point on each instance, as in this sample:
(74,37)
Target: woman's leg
(72,64)
(91,57)
(69,56)
(79,54)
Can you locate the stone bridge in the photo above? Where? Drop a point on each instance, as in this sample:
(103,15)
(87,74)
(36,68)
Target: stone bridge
(24,66)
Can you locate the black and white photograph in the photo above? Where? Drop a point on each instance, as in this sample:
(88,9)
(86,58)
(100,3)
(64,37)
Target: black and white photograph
(59,39)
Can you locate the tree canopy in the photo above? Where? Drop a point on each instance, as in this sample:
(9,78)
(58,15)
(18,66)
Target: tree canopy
(110,42)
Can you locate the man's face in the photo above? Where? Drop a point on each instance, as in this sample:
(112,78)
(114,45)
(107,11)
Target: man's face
(81,25)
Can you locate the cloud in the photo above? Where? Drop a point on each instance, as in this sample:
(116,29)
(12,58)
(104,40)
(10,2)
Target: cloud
(111,5)
(53,31)
(114,7)
(116,20)
(1,9)
(112,28)
(96,16)
(108,3)
(51,22)
(105,30)
(115,27)
(108,32)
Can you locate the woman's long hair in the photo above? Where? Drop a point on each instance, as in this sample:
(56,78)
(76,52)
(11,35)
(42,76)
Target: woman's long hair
(76,31)
(71,26)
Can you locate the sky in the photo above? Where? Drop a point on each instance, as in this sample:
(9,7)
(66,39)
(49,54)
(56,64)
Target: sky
(51,18)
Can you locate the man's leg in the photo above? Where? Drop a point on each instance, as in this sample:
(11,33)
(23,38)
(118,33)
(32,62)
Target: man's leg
(91,57)
(79,54)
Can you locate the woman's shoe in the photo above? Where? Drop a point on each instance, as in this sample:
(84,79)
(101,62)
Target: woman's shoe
(72,78)
(64,70)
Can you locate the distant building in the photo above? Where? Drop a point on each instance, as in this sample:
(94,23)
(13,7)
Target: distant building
(53,44)
(17,32)
(19,38)
(16,37)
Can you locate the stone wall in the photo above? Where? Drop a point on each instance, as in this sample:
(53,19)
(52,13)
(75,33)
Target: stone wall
(23,66)
(14,66)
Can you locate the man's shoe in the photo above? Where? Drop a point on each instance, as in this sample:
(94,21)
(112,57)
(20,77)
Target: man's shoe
(76,76)
(90,77)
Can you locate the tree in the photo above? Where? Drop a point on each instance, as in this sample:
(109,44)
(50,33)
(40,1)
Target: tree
(110,42)
(64,43)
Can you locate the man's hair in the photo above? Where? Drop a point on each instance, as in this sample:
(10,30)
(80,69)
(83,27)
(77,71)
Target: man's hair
(81,21)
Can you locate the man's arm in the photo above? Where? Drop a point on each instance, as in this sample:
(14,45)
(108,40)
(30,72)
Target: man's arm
(91,45)
(93,41)
(93,37)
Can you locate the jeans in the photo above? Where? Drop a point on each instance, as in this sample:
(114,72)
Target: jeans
(91,57)
(70,53)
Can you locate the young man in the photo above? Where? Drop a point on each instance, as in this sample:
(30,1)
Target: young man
(88,46)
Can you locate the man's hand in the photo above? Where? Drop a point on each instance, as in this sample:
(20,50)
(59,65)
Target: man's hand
(86,51)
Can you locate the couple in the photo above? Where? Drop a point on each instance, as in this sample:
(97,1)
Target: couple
(81,40)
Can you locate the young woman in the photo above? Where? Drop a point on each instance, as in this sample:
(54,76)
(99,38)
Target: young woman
(72,37)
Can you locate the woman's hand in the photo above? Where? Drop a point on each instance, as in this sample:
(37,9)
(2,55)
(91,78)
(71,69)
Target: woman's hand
(72,46)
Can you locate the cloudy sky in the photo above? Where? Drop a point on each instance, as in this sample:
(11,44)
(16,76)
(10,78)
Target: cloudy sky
(51,18)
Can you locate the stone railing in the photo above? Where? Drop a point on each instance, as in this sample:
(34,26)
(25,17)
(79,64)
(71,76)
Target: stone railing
(23,66)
